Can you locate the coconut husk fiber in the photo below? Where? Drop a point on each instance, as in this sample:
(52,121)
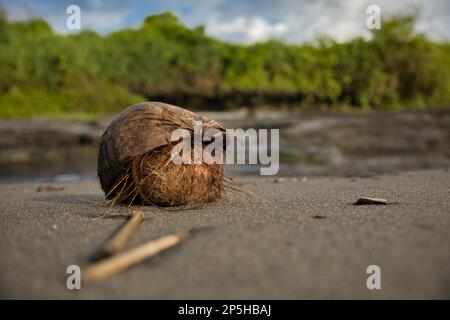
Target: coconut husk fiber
(134,162)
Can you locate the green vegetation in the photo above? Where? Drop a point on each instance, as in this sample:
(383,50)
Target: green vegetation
(43,73)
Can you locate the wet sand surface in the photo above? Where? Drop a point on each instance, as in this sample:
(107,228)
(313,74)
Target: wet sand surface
(306,240)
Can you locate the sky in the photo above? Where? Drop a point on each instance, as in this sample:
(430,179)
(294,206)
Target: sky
(242,21)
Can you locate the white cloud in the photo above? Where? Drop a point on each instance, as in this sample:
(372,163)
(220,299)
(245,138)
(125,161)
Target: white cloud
(247,29)
(244,20)
(303,20)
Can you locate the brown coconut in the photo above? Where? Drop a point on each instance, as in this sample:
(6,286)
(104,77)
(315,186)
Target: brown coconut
(134,161)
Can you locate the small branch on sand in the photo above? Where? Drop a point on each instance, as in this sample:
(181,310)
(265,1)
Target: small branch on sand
(120,240)
(126,259)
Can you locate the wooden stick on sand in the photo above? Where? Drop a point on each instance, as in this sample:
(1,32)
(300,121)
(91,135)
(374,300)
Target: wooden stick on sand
(120,240)
(122,261)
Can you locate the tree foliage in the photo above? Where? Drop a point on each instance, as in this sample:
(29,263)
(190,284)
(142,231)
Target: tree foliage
(46,73)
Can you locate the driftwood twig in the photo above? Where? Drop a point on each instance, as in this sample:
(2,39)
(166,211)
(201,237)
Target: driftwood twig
(118,242)
(128,258)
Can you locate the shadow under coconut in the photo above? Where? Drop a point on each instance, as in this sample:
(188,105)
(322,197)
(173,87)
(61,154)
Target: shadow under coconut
(89,206)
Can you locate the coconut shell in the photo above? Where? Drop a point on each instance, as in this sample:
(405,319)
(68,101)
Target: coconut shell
(137,130)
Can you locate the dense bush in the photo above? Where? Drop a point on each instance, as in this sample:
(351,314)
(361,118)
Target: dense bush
(45,73)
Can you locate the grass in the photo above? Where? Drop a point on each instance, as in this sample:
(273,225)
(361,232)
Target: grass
(68,104)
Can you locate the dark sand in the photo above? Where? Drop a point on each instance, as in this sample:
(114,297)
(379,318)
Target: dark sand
(307,241)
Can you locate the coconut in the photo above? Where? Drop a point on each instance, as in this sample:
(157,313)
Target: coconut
(135,164)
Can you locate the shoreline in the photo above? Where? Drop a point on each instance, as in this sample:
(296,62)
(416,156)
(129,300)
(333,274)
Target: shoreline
(323,144)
